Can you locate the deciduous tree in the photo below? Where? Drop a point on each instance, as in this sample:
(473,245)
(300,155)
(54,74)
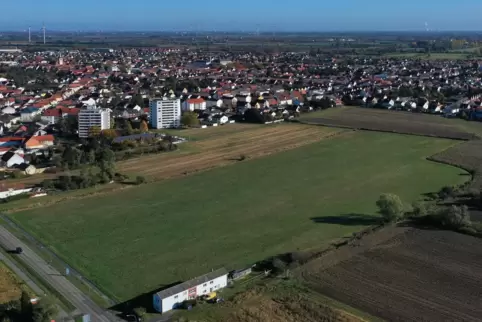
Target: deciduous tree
(189,119)
(144,128)
(390,207)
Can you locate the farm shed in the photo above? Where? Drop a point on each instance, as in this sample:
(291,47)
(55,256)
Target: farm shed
(240,273)
(172,297)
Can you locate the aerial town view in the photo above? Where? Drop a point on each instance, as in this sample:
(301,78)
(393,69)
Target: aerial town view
(240,162)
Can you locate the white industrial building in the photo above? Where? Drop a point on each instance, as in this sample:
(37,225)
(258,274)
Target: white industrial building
(165,113)
(173,297)
(93,117)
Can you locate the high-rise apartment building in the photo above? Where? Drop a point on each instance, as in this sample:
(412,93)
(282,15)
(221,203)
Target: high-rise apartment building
(165,113)
(93,117)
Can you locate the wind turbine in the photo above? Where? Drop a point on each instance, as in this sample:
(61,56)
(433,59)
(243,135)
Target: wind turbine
(43,30)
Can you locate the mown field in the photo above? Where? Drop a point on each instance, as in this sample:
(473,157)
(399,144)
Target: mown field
(404,274)
(140,239)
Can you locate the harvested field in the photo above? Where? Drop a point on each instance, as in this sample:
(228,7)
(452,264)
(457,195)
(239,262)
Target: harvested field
(10,286)
(280,301)
(393,121)
(405,274)
(226,149)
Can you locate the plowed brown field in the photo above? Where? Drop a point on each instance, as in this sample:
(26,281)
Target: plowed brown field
(467,155)
(405,274)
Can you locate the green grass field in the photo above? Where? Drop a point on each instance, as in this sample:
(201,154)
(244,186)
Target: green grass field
(137,240)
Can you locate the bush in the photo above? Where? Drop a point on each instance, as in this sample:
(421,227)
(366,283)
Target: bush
(279,265)
(421,209)
(47,184)
(455,217)
(140,311)
(140,180)
(189,119)
(446,192)
(468,231)
(390,207)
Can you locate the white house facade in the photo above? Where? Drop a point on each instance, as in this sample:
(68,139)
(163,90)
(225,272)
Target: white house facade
(173,297)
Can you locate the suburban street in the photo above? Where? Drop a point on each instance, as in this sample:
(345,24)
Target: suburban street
(55,279)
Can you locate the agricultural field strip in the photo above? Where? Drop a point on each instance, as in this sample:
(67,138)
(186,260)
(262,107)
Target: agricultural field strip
(251,147)
(213,159)
(411,262)
(208,146)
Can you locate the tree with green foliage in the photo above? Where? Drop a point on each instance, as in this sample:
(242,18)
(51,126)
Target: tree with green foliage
(129,129)
(45,311)
(67,125)
(455,217)
(390,207)
(140,180)
(94,131)
(25,306)
(140,312)
(420,209)
(71,157)
(137,100)
(446,192)
(189,119)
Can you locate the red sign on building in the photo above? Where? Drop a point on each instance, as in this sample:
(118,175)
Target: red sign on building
(192,293)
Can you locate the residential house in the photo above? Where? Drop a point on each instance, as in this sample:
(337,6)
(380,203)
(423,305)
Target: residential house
(39,142)
(194,104)
(11,141)
(11,159)
(28,114)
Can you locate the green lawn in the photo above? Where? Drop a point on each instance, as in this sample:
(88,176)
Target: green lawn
(139,239)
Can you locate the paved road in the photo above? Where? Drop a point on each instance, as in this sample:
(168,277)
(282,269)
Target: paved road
(31,284)
(56,280)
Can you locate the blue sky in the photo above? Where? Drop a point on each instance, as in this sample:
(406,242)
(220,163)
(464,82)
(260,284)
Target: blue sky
(248,15)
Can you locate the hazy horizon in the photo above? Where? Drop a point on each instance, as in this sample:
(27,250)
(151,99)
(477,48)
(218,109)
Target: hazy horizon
(250,15)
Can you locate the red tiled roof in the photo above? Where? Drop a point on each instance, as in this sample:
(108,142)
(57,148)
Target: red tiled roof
(70,111)
(195,101)
(44,138)
(10,138)
(52,112)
